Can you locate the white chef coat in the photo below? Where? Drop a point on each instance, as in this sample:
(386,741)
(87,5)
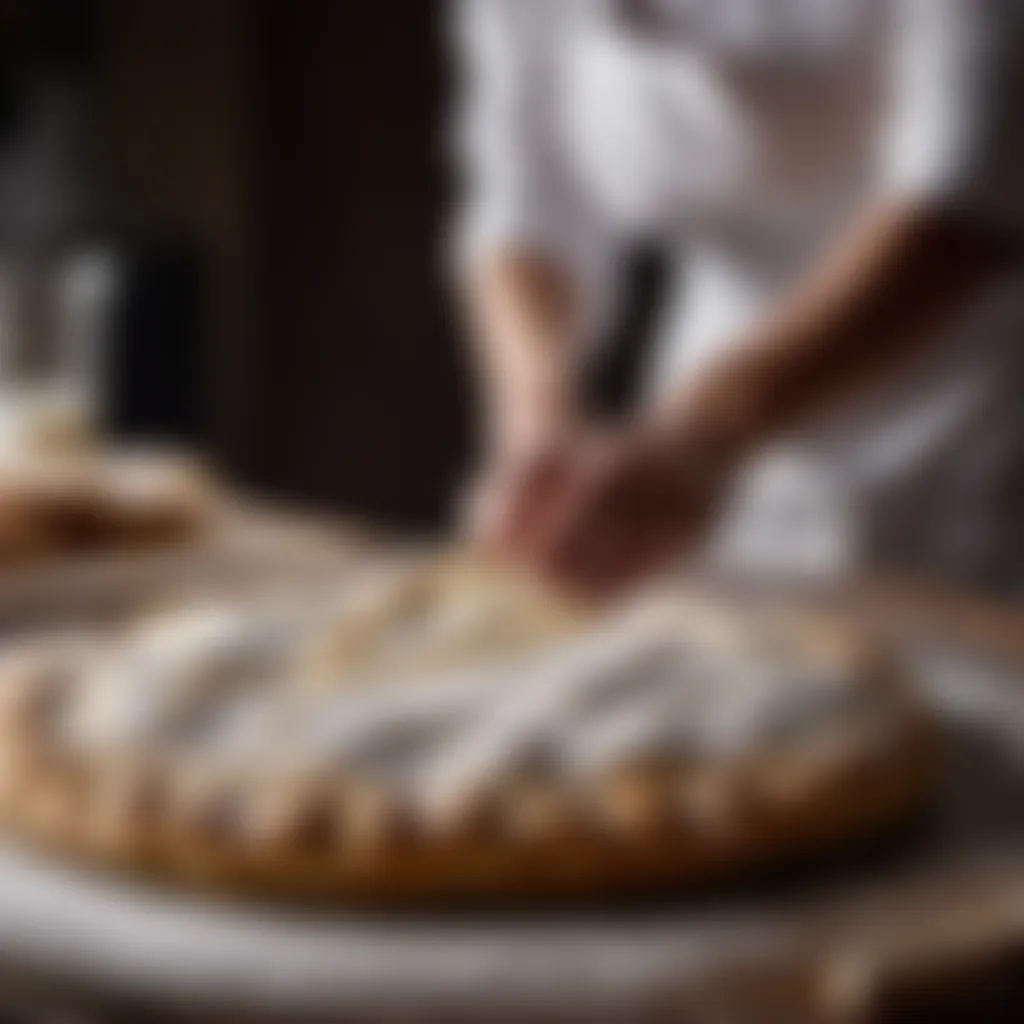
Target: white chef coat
(745,134)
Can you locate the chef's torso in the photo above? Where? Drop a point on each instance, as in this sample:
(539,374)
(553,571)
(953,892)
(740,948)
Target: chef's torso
(744,134)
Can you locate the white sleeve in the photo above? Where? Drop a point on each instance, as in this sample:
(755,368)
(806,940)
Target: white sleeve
(953,134)
(518,186)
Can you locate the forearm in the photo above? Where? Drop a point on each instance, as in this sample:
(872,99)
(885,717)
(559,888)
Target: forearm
(525,324)
(885,295)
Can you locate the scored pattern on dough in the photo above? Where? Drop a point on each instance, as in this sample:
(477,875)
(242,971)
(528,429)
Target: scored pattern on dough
(220,680)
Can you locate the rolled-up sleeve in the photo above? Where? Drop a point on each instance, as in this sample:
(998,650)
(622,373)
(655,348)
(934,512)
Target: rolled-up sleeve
(518,186)
(952,133)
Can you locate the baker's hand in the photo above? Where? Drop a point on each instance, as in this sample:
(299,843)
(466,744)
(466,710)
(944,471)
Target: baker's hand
(601,511)
(504,503)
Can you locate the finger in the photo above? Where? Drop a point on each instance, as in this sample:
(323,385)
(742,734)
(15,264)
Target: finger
(623,552)
(531,495)
(580,504)
(598,554)
(590,537)
(564,522)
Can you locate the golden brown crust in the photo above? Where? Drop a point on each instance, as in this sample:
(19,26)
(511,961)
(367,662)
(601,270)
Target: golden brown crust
(540,826)
(349,847)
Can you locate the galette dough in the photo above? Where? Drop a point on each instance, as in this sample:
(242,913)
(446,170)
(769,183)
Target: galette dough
(677,740)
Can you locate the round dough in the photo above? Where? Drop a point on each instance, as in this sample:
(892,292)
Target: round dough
(675,741)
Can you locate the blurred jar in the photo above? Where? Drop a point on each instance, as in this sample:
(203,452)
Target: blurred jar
(54,312)
(56,272)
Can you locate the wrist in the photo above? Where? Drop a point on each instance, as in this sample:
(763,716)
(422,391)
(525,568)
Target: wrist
(530,422)
(715,425)
(529,411)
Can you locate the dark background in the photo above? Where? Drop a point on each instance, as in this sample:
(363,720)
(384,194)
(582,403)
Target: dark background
(358,394)
(272,177)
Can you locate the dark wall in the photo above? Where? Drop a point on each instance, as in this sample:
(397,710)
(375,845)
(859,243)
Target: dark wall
(358,398)
(291,154)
